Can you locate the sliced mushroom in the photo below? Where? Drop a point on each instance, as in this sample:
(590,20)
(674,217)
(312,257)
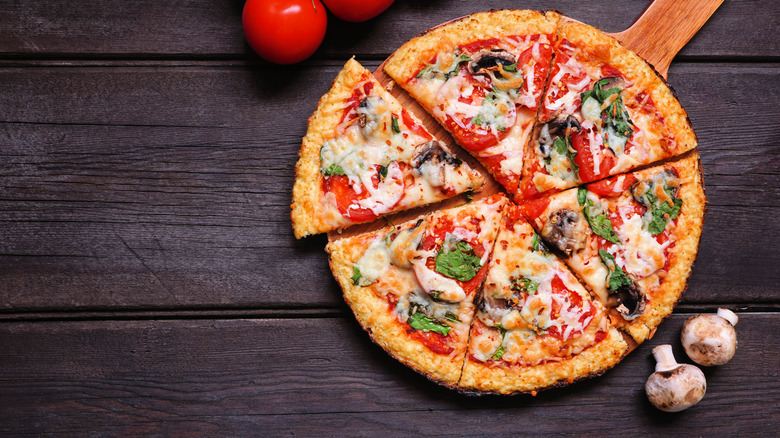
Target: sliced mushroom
(559,127)
(488,60)
(565,230)
(433,162)
(628,300)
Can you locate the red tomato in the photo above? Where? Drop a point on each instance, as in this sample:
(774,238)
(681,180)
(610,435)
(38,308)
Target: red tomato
(606,188)
(284,31)
(584,158)
(357,10)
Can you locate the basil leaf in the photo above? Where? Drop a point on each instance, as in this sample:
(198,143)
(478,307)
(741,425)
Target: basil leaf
(396,128)
(458,262)
(535,242)
(617,277)
(435,294)
(383,172)
(419,321)
(659,215)
(334,169)
(602,226)
(356,276)
(598,221)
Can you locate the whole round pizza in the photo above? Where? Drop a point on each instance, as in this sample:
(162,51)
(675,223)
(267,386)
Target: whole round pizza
(580,208)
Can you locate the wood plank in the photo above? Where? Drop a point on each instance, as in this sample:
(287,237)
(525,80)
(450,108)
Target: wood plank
(203,28)
(168,186)
(323,377)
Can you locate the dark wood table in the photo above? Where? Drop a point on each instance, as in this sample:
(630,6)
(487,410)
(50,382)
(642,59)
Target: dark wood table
(150,282)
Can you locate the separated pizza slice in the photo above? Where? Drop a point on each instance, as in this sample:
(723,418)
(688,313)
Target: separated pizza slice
(412,286)
(536,326)
(605,112)
(364,156)
(482,78)
(631,238)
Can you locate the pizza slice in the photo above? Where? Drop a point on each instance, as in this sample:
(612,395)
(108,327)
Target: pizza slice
(605,112)
(536,326)
(412,286)
(631,238)
(482,78)
(365,156)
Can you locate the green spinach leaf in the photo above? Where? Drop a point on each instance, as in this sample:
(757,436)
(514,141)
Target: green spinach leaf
(419,321)
(617,277)
(457,261)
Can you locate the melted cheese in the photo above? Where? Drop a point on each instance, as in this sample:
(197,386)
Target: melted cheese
(374,262)
(641,253)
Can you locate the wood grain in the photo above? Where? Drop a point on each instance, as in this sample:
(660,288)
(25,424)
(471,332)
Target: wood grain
(241,377)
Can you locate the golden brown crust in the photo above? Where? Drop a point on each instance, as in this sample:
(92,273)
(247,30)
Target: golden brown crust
(417,52)
(606,49)
(507,379)
(662,300)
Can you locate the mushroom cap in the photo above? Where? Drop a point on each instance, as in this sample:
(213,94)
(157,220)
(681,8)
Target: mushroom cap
(709,339)
(676,389)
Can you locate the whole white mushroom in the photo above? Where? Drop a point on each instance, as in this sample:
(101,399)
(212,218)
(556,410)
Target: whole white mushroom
(674,387)
(710,339)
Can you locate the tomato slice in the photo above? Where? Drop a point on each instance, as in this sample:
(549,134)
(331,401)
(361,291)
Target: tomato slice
(540,68)
(584,158)
(347,198)
(474,138)
(493,164)
(414,127)
(534,208)
(608,189)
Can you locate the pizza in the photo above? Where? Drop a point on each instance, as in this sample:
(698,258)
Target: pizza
(502,294)
(535,324)
(630,238)
(605,112)
(482,78)
(364,155)
(412,286)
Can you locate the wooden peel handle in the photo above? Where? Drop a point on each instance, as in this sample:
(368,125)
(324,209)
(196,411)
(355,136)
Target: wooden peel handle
(664,28)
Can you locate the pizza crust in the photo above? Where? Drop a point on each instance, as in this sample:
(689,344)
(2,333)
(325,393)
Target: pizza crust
(508,379)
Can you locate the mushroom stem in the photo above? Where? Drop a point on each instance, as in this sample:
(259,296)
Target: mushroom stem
(728,315)
(664,358)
